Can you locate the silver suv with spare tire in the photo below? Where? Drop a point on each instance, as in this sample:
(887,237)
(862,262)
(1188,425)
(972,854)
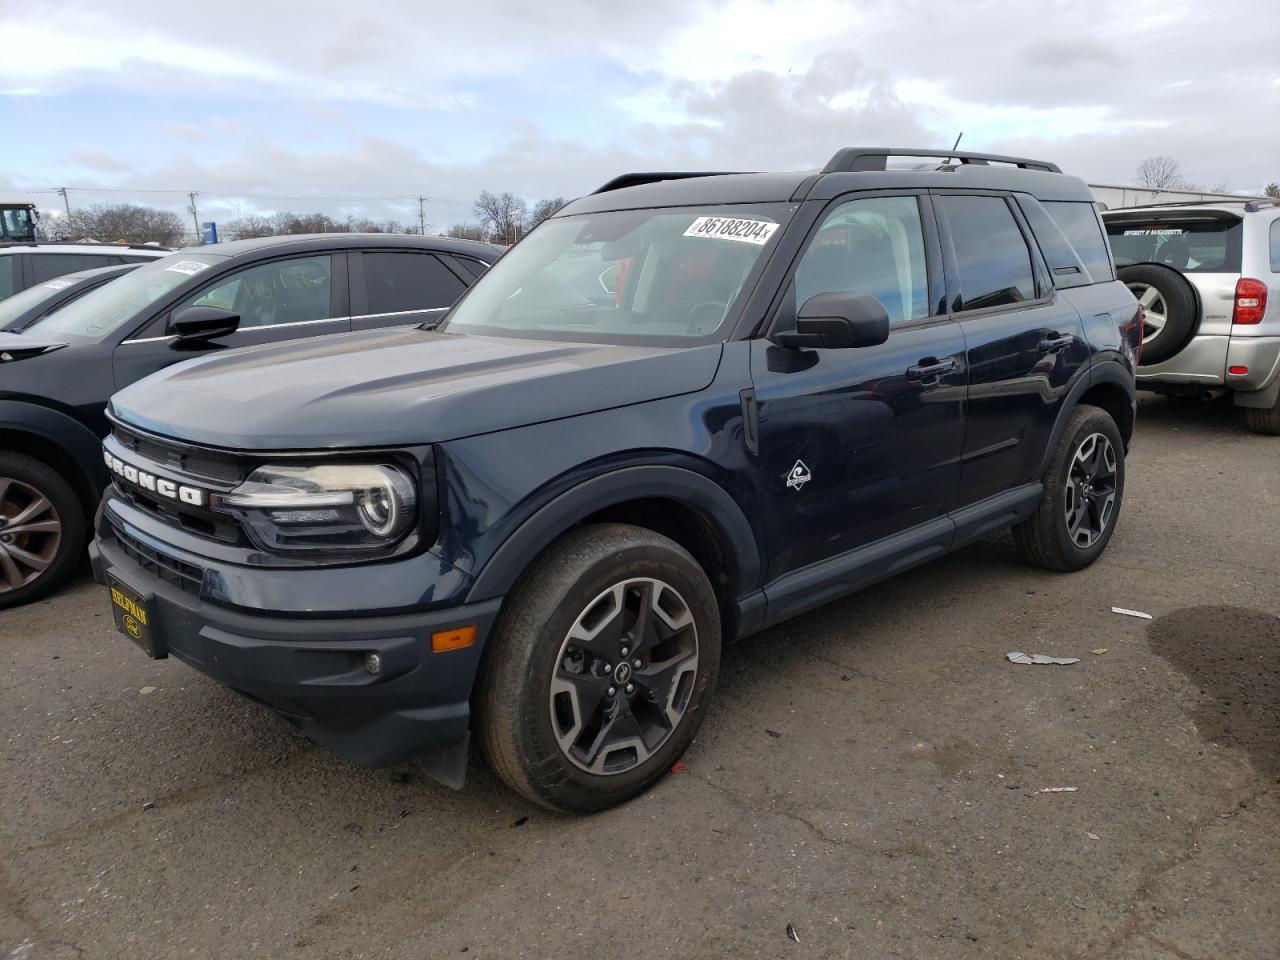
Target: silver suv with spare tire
(1208,277)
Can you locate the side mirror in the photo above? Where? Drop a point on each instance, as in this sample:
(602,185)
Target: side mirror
(838,320)
(204,323)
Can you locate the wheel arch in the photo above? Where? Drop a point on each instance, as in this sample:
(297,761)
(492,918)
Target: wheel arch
(678,503)
(1107,384)
(59,440)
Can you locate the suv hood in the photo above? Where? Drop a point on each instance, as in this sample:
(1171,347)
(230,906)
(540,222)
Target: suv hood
(18,346)
(397,387)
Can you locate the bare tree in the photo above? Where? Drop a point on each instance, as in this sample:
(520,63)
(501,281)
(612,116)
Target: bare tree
(248,227)
(1161,173)
(544,209)
(284,222)
(466,231)
(124,222)
(1273,190)
(503,215)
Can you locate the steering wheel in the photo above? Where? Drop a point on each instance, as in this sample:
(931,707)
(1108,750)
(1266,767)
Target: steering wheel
(701,313)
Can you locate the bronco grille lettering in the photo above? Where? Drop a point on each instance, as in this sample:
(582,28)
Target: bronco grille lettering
(154,483)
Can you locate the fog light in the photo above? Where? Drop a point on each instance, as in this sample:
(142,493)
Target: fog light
(373,663)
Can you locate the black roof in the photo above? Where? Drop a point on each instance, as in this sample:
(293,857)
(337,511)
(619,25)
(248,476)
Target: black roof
(849,169)
(349,241)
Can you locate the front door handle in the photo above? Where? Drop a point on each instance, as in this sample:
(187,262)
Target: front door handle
(1055,343)
(930,369)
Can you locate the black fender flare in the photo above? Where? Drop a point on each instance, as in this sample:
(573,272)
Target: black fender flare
(1102,372)
(552,519)
(83,448)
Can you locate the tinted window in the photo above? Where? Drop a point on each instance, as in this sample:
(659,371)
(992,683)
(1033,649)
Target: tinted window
(873,246)
(1064,263)
(991,255)
(283,291)
(398,282)
(1275,246)
(1079,222)
(46,266)
(8,276)
(1190,245)
(468,265)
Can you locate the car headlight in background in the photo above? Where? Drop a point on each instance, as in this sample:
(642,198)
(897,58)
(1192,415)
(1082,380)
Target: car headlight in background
(330,508)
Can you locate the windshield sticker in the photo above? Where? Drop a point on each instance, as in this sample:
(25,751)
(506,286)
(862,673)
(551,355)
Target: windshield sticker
(729,228)
(1152,232)
(189,267)
(59,284)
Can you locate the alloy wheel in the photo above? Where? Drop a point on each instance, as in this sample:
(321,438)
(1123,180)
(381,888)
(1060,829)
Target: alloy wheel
(1157,312)
(1091,490)
(624,676)
(30,532)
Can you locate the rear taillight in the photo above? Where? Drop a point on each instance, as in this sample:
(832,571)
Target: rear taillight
(1251,301)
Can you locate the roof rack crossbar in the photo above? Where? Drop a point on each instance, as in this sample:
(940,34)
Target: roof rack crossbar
(636,179)
(859,159)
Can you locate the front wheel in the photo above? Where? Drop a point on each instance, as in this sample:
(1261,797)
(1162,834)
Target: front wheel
(1083,490)
(599,669)
(42,529)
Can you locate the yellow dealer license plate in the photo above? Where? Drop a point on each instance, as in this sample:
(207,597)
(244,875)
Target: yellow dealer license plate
(132,614)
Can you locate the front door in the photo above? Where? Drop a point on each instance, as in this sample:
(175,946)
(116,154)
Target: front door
(283,299)
(858,444)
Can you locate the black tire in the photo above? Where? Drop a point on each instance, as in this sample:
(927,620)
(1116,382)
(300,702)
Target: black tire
(1045,538)
(1181,310)
(1265,420)
(26,478)
(515,701)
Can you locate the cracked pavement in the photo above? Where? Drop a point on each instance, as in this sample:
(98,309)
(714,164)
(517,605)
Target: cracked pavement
(868,773)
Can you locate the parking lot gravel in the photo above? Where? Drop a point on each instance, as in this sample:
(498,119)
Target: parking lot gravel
(870,776)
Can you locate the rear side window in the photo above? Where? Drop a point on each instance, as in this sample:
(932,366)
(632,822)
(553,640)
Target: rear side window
(1190,246)
(46,266)
(991,255)
(401,282)
(1079,221)
(9,276)
(1275,246)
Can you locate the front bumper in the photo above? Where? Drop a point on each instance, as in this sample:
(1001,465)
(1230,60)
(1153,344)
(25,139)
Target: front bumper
(310,667)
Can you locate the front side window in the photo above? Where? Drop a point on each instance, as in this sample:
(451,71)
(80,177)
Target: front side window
(282,291)
(660,276)
(126,298)
(875,246)
(401,282)
(992,258)
(46,266)
(18,224)
(1190,245)
(8,276)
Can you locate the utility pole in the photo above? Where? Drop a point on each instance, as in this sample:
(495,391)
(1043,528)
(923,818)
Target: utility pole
(65,202)
(422,216)
(195,217)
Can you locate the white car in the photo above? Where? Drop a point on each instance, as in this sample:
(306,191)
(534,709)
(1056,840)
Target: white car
(24,264)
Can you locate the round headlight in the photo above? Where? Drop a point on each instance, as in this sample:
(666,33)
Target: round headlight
(379,510)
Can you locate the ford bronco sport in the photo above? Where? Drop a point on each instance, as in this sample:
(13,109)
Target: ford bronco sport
(540,521)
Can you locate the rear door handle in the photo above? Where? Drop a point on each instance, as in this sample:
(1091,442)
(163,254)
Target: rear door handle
(1056,343)
(930,369)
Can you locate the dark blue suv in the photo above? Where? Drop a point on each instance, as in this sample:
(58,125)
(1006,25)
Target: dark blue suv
(685,408)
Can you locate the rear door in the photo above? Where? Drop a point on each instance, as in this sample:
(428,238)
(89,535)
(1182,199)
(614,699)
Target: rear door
(284,299)
(1024,342)
(402,288)
(858,444)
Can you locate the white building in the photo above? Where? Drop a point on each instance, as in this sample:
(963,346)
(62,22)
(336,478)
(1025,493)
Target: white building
(1112,197)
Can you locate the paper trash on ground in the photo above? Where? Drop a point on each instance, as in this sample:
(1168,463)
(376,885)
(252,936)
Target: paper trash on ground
(1017,657)
(1124,612)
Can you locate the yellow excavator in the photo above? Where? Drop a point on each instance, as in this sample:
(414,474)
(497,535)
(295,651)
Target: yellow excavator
(18,221)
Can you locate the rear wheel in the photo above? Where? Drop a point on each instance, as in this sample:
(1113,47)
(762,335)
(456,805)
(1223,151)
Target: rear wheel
(599,669)
(1083,489)
(1264,419)
(42,529)
(1170,306)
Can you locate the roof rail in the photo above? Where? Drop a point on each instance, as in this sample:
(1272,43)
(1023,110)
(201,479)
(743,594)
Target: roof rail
(857,159)
(85,243)
(1250,206)
(1253,206)
(636,179)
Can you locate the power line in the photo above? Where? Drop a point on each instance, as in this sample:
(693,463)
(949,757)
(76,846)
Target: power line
(232,195)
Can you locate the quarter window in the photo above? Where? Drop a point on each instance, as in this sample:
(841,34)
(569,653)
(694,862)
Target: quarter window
(991,254)
(401,282)
(875,246)
(8,277)
(283,291)
(1079,222)
(1275,246)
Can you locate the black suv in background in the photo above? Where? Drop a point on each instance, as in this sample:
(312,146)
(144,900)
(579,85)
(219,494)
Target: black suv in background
(57,374)
(540,521)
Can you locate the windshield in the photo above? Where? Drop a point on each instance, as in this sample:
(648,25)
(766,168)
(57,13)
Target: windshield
(665,276)
(13,308)
(101,311)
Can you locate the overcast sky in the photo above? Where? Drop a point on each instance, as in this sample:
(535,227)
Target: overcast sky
(269,105)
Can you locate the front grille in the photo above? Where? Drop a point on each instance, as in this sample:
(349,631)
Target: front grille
(194,462)
(186,576)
